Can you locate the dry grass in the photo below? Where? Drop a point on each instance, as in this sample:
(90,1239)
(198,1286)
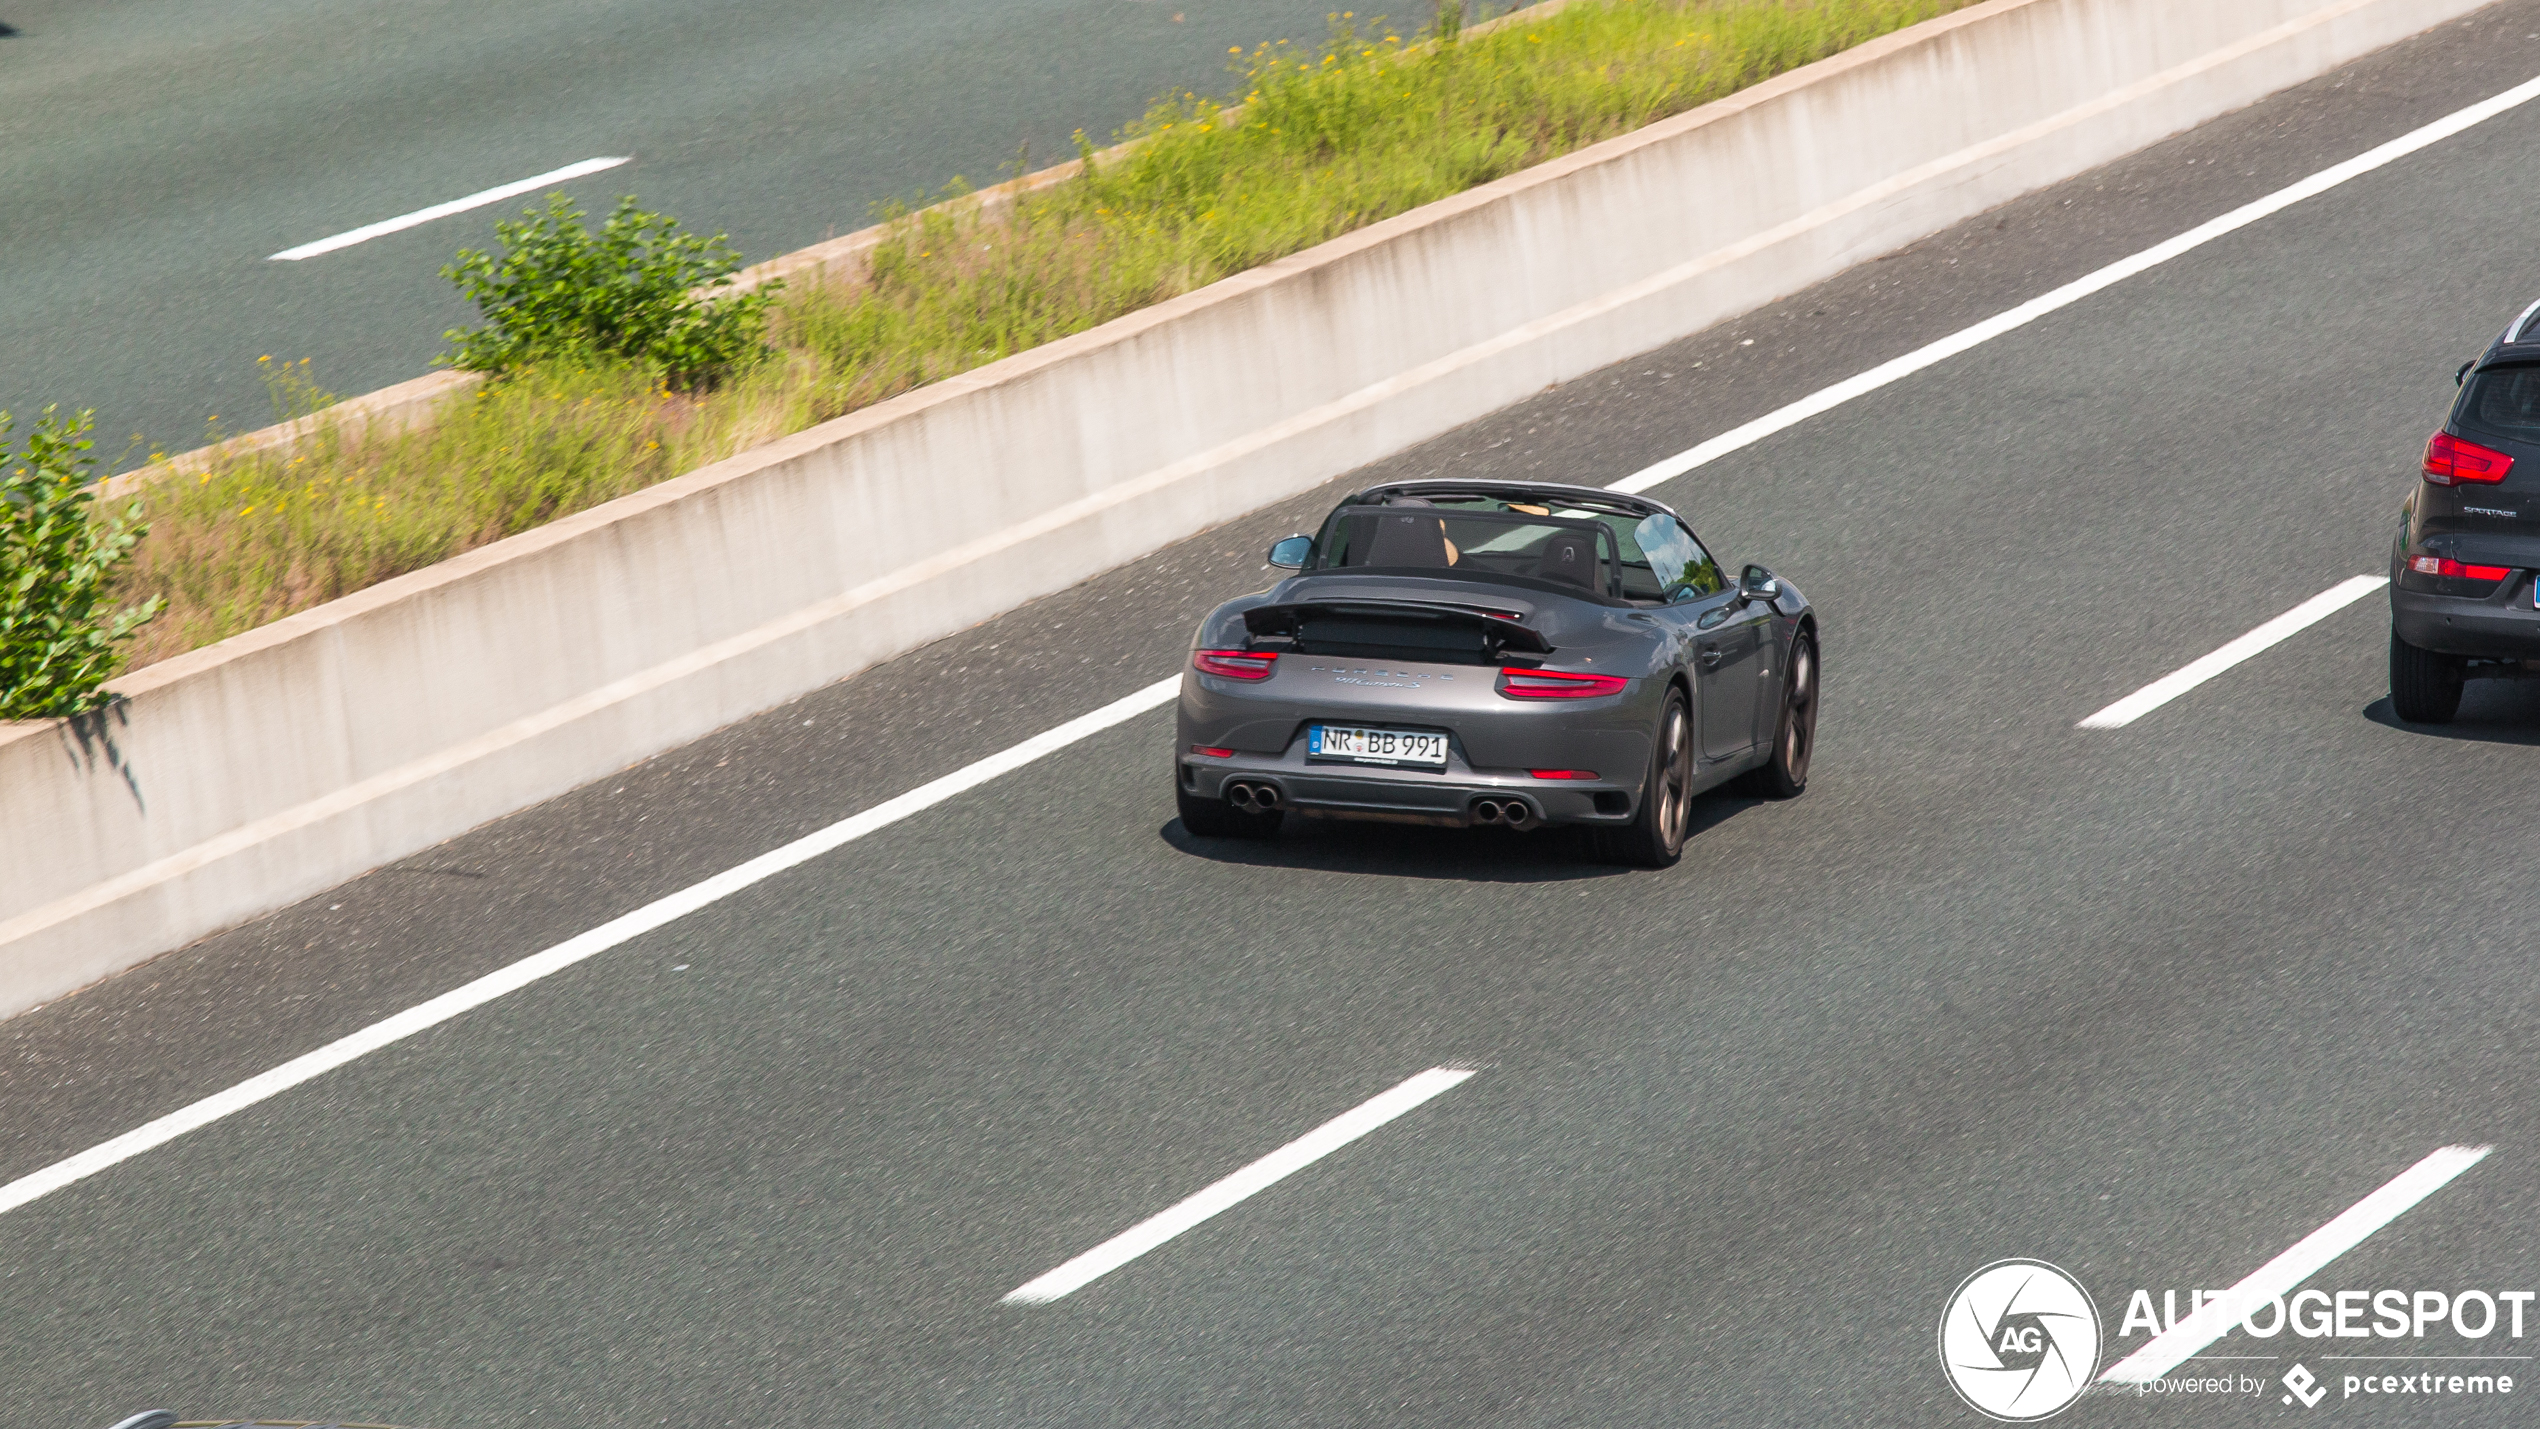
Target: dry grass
(1326,140)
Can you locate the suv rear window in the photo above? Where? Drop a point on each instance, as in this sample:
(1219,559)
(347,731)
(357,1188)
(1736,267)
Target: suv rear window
(2505,400)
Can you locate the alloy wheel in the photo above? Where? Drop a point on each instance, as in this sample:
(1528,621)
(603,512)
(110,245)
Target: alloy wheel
(1799,728)
(1676,803)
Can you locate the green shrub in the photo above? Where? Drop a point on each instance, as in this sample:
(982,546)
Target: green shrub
(560,290)
(59,641)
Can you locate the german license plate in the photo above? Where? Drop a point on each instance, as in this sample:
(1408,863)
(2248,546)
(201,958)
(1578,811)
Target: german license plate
(1375,746)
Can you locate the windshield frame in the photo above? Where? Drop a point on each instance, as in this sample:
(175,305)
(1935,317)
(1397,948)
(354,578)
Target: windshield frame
(1608,548)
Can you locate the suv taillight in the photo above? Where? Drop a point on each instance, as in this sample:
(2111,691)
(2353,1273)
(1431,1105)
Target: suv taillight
(2449,461)
(2446,566)
(1557,685)
(1234,664)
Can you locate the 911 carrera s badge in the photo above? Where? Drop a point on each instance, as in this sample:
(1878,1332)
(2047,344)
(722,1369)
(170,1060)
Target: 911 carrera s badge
(1357,674)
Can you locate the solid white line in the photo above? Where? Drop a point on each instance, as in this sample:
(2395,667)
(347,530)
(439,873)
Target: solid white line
(2171,1348)
(1155,1230)
(1738,438)
(2197,671)
(441,210)
(573,950)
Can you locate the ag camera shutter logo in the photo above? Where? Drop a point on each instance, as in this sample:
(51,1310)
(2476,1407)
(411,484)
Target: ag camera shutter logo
(2019,1340)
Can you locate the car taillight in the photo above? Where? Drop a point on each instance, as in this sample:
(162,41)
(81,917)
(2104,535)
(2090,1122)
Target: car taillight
(2450,461)
(1563,773)
(1557,685)
(1234,664)
(1212,751)
(2446,566)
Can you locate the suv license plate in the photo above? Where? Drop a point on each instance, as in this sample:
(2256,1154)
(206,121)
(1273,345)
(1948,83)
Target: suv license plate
(1375,746)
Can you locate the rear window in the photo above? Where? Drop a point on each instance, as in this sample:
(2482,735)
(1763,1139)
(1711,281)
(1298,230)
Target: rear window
(2505,400)
(1529,544)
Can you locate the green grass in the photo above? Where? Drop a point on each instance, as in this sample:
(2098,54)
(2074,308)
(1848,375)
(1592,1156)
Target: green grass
(1311,144)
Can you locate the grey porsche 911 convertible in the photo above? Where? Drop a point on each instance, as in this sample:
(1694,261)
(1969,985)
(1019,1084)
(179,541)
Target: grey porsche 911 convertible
(1497,653)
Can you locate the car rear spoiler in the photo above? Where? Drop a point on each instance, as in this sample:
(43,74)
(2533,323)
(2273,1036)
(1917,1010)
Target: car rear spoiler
(1411,629)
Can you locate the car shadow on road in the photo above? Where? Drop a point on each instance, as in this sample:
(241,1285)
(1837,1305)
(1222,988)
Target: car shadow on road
(2492,712)
(1423,851)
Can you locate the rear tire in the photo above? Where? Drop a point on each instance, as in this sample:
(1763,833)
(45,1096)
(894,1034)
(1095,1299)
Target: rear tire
(2425,688)
(1785,775)
(1655,838)
(1216,819)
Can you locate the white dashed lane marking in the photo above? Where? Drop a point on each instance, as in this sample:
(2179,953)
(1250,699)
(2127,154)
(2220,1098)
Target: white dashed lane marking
(423,216)
(2196,672)
(1155,1230)
(2303,1259)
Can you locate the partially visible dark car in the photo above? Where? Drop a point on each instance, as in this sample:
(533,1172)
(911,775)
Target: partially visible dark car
(2462,601)
(1497,653)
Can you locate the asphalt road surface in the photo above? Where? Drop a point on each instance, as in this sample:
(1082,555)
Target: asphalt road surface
(153,153)
(2151,1003)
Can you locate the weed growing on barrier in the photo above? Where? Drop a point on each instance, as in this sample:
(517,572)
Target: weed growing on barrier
(1313,143)
(271,534)
(61,639)
(294,392)
(559,291)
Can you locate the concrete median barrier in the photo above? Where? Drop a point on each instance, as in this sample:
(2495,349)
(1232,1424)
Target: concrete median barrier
(243,777)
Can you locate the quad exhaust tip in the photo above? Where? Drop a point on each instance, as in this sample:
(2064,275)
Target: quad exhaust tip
(1252,798)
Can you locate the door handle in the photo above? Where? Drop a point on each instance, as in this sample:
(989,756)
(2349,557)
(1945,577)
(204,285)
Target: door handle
(1711,657)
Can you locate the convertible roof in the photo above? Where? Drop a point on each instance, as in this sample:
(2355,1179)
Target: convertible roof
(1548,493)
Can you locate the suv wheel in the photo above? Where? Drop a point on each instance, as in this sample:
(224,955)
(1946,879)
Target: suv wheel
(2425,688)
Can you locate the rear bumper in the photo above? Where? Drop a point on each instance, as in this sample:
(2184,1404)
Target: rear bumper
(1492,743)
(2501,625)
(1348,791)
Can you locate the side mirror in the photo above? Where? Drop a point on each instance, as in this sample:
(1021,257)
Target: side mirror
(1292,553)
(1758,584)
(2464,372)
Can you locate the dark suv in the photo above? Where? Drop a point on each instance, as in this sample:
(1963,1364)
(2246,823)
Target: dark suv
(2461,590)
